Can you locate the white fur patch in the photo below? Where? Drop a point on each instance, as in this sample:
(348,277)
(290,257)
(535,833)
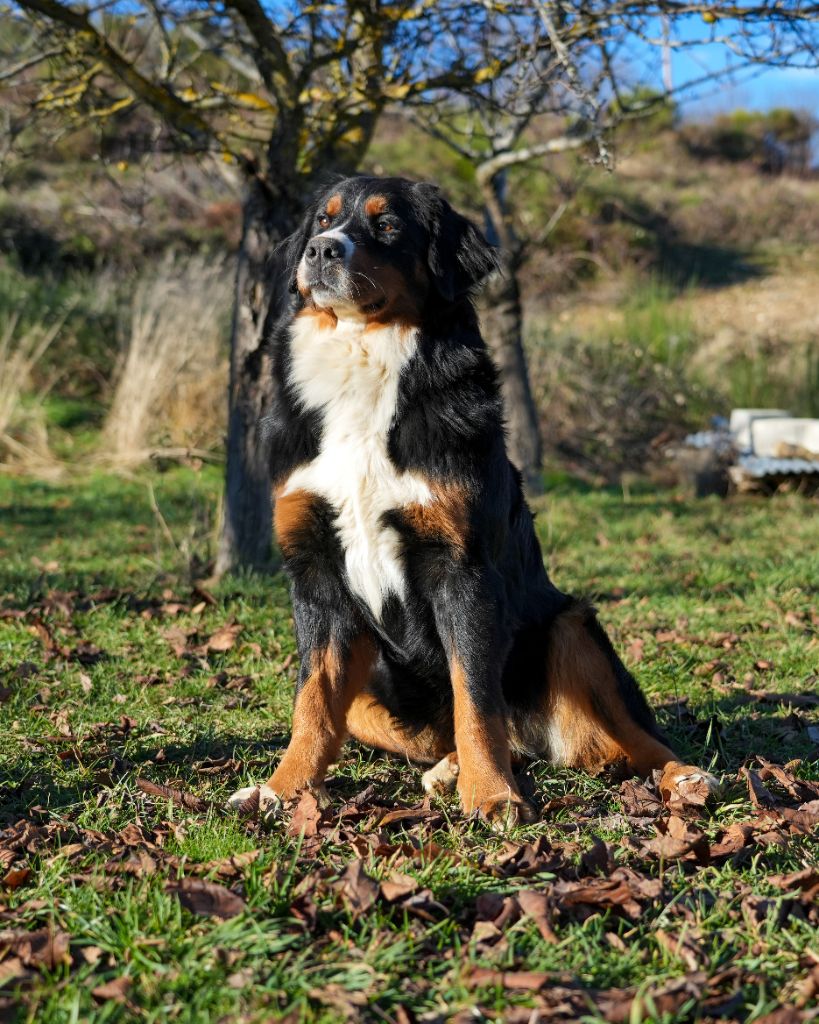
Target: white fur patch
(442,777)
(351,376)
(268,800)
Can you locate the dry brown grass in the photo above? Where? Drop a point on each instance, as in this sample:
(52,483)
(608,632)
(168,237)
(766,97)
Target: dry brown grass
(24,441)
(169,385)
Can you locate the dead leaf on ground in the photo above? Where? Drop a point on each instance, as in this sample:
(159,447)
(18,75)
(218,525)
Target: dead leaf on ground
(527,981)
(735,838)
(409,815)
(176,796)
(806,880)
(527,859)
(224,639)
(638,800)
(538,906)
(42,948)
(357,889)
(799,789)
(16,877)
(207,899)
(306,816)
(685,947)
(398,886)
(677,840)
(624,890)
(759,795)
(115,991)
(231,867)
(619,1006)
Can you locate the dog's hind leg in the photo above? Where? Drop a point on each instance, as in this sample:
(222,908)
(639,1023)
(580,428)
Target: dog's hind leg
(593,711)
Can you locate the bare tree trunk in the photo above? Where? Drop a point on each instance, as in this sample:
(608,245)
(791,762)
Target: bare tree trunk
(502,317)
(246,531)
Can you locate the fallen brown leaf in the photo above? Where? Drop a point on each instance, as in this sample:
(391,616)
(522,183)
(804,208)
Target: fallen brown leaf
(735,838)
(528,859)
(115,990)
(208,899)
(224,639)
(16,877)
(529,981)
(41,948)
(233,866)
(638,800)
(759,795)
(398,887)
(625,890)
(176,796)
(537,905)
(357,889)
(306,816)
(684,947)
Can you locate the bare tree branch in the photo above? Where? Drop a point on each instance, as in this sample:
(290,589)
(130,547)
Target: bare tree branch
(174,110)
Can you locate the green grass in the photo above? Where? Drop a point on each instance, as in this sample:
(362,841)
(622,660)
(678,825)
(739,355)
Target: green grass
(728,582)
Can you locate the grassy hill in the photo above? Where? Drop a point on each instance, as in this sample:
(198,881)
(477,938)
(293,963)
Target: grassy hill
(671,289)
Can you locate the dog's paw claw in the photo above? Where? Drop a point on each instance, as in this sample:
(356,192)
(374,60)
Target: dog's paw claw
(502,813)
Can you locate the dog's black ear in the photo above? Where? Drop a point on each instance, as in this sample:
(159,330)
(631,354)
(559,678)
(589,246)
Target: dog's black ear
(459,257)
(290,250)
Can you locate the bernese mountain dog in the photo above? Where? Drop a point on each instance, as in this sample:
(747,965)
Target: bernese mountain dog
(426,622)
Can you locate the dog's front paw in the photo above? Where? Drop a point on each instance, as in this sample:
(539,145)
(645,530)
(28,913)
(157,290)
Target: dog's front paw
(687,785)
(442,777)
(502,813)
(255,799)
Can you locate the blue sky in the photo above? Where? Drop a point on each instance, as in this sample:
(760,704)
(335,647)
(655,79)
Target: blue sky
(751,88)
(757,88)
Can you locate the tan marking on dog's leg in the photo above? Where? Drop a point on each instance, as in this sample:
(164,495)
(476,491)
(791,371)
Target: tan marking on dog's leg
(319,717)
(368,721)
(485,781)
(587,723)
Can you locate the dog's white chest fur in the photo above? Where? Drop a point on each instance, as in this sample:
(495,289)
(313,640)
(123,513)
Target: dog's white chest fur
(351,377)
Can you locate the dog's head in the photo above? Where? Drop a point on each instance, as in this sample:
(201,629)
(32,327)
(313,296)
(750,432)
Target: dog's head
(381,248)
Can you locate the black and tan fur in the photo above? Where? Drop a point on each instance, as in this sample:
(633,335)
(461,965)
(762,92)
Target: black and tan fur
(426,622)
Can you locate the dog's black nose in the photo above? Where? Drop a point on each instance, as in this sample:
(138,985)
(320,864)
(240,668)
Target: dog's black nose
(323,250)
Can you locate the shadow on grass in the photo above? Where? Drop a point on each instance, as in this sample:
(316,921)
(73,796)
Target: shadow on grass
(33,784)
(727,738)
(736,730)
(677,259)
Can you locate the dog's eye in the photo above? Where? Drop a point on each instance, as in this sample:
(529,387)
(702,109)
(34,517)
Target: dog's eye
(385,226)
(323,220)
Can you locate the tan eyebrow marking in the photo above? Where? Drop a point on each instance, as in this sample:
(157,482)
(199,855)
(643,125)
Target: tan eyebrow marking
(333,206)
(375,205)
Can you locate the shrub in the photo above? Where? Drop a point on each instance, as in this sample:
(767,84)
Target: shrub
(171,376)
(23,435)
(775,140)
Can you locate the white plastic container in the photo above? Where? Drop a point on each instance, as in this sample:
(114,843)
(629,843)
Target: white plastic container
(741,420)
